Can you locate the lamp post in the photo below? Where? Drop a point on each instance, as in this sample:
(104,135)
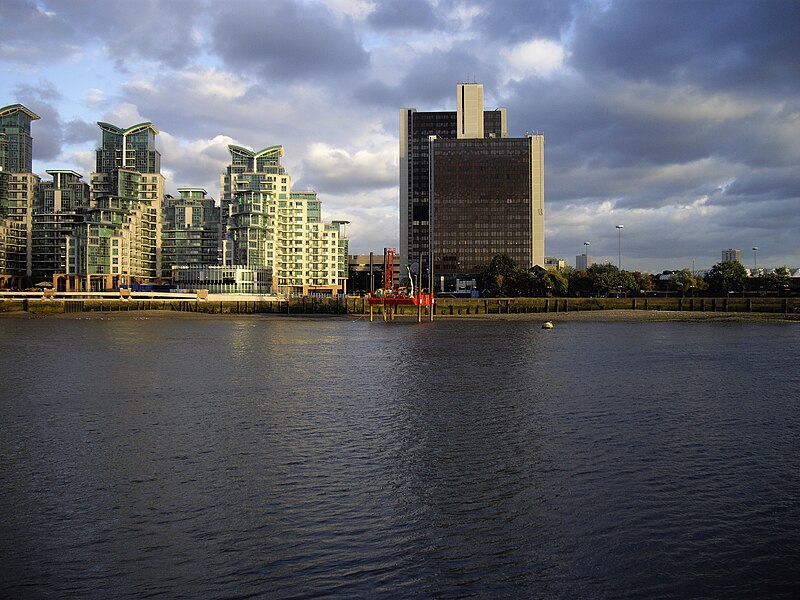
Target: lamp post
(586,255)
(619,246)
(755,260)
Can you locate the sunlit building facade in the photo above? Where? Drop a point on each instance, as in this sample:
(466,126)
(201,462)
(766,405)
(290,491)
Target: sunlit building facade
(15,124)
(119,242)
(122,229)
(268,225)
(18,186)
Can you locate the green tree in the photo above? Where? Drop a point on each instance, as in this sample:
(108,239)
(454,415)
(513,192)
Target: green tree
(726,276)
(627,283)
(550,283)
(554,283)
(683,281)
(604,277)
(580,284)
(701,283)
(779,279)
(644,282)
(498,278)
(520,283)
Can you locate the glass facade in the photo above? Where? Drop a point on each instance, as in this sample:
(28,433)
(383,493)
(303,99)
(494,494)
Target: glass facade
(58,213)
(15,123)
(468,193)
(267,225)
(418,128)
(481,203)
(122,233)
(190,230)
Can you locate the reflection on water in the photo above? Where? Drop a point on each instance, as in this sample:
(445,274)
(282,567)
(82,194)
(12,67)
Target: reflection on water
(295,458)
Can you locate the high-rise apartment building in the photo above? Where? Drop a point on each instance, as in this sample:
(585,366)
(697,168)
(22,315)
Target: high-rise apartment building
(4,175)
(122,229)
(120,240)
(467,191)
(18,186)
(15,123)
(267,225)
(57,215)
(190,230)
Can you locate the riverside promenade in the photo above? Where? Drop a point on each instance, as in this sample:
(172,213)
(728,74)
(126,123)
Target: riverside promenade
(654,308)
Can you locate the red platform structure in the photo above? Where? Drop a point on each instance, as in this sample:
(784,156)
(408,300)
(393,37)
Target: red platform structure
(391,297)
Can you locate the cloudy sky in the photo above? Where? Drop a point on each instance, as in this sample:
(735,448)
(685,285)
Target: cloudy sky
(678,119)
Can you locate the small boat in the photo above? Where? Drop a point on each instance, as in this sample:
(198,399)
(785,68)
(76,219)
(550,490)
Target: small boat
(547,325)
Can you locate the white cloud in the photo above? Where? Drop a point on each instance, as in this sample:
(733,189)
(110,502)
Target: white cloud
(373,217)
(355,9)
(683,104)
(337,168)
(94,97)
(139,86)
(465,14)
(194,163)
(536,57)
(214,83)
(124,115)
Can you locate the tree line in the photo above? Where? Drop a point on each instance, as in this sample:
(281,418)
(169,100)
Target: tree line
(503,278)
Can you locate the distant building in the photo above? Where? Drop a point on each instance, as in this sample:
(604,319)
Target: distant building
(122,229)
(583,262)
(731,255)
(367,272)
(551,262)
(467,191)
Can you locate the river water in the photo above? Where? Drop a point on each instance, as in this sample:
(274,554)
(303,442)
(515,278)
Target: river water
(304,458)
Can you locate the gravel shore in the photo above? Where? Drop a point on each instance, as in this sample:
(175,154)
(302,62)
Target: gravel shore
(624,315)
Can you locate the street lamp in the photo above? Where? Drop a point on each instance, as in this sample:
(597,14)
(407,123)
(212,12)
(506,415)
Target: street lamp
(755,260)
(619,246)
(586,255)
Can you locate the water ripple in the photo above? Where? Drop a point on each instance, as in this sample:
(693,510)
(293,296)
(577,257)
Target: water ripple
(296,459)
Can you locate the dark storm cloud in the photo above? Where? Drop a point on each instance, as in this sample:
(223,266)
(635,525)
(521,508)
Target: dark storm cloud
(149,29)
(29,34)
(403,14)
(49,30)
(778,184)
(42,98)
(377,93)
(730,45)
(293,42)
(515,20)
(430,81)
(77,131)
(679,118)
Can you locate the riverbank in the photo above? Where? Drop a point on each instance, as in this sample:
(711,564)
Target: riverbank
(599,316)
(627,315)
(656,308)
